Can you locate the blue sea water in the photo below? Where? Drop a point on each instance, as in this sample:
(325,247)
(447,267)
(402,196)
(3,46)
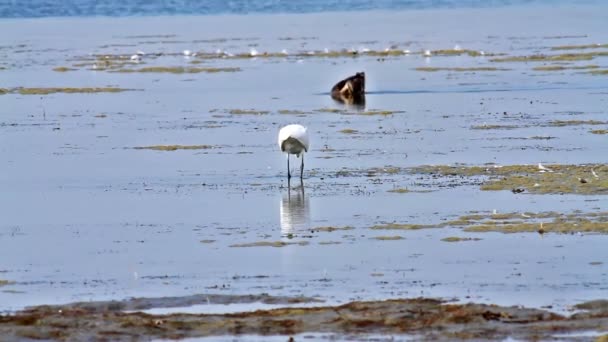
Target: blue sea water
(120,8)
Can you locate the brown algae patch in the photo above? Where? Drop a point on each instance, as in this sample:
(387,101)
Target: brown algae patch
(47,91)
(270,244)
(348,131)
(460,69)
(551,179)
(599,131)
(425,318)
(563,67)
(174,147)
(177,70)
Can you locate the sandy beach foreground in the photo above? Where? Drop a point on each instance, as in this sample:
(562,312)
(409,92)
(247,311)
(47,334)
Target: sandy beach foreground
(465,199)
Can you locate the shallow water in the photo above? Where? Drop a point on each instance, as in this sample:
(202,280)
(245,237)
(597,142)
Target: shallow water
(85,216)
(115,8)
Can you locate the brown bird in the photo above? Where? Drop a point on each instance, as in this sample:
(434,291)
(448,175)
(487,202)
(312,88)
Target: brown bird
(350,90)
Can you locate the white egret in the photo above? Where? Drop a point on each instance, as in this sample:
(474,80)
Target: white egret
(293,139)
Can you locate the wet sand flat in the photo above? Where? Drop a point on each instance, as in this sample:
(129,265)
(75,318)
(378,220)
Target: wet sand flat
(475,172)
(420,319)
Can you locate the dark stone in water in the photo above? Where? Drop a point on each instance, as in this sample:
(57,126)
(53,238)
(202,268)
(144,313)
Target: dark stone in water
(350,90)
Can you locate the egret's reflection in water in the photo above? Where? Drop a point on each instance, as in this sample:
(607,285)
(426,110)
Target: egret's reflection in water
(295,212)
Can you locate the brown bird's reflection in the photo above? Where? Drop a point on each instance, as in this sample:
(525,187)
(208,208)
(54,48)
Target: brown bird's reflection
(350,91)
(295,211)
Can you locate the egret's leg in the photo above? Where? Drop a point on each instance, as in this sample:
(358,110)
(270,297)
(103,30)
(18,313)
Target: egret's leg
(288,172)
(302,167)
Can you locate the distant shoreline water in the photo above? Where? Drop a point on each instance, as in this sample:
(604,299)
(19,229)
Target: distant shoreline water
(126,8)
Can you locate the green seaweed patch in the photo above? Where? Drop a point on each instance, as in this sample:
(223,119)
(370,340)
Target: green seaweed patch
(400,226)
(86,90)
(270,244)
(458,52)
(599,131)
(365,112)
(552,58)
(326,243)
(177,70)
(459,239)
(388,238)
(174,147)
(348,131)
(486,126)
(330,229)
(106,62)
(564,67)
(4,91)
(291,112)
(369,172)
(207,241)
(551,179)
(561,123)
(63,69)
(338,54)
(599,72)
(247,112)
(379,112)
(580,47)
(460,69)
(331,110)
(6,282)
(519,222)
(558,226)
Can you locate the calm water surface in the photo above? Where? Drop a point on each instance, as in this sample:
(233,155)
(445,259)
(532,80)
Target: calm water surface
(85,216)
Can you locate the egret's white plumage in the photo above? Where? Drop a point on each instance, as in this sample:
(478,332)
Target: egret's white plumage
(293,139)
